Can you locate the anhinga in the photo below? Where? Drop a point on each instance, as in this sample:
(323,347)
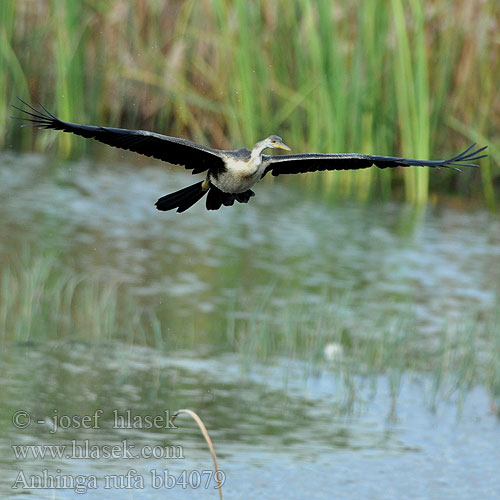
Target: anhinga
(230,173)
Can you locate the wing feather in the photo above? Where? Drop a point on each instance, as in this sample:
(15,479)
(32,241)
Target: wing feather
(170,149)
(313,162)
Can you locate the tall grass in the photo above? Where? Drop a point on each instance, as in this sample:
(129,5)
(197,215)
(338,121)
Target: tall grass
(401,77)
(412,94)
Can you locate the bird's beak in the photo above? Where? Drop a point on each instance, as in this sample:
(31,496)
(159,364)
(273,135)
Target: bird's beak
(282,145)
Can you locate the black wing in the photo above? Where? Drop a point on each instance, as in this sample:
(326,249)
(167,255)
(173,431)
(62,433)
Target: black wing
(170,149)
(312,162)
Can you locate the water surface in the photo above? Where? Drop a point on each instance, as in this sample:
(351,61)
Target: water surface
(285,425)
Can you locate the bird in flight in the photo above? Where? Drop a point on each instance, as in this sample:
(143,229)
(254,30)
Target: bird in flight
(230,174)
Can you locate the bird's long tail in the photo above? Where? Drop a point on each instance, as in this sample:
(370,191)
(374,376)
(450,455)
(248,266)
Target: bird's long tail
(182,199)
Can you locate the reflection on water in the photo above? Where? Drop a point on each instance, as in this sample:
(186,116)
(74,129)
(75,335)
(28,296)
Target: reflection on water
(274,438)
(441,262)
(279,433)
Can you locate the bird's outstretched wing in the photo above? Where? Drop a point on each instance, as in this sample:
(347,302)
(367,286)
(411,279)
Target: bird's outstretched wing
(312,162)
(170,149)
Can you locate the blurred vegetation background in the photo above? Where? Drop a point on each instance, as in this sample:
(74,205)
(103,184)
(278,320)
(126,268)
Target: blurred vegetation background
(400,77)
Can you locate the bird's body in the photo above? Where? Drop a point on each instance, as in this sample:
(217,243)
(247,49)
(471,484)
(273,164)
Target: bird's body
(241,172)
(230,174)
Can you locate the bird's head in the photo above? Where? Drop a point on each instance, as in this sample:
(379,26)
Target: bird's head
(273,141)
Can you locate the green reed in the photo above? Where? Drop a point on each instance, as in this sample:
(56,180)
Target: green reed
(405,77)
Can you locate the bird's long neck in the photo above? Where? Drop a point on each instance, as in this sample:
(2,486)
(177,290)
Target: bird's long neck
(258,149)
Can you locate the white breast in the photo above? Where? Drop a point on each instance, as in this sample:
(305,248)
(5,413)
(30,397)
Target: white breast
(239,177)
